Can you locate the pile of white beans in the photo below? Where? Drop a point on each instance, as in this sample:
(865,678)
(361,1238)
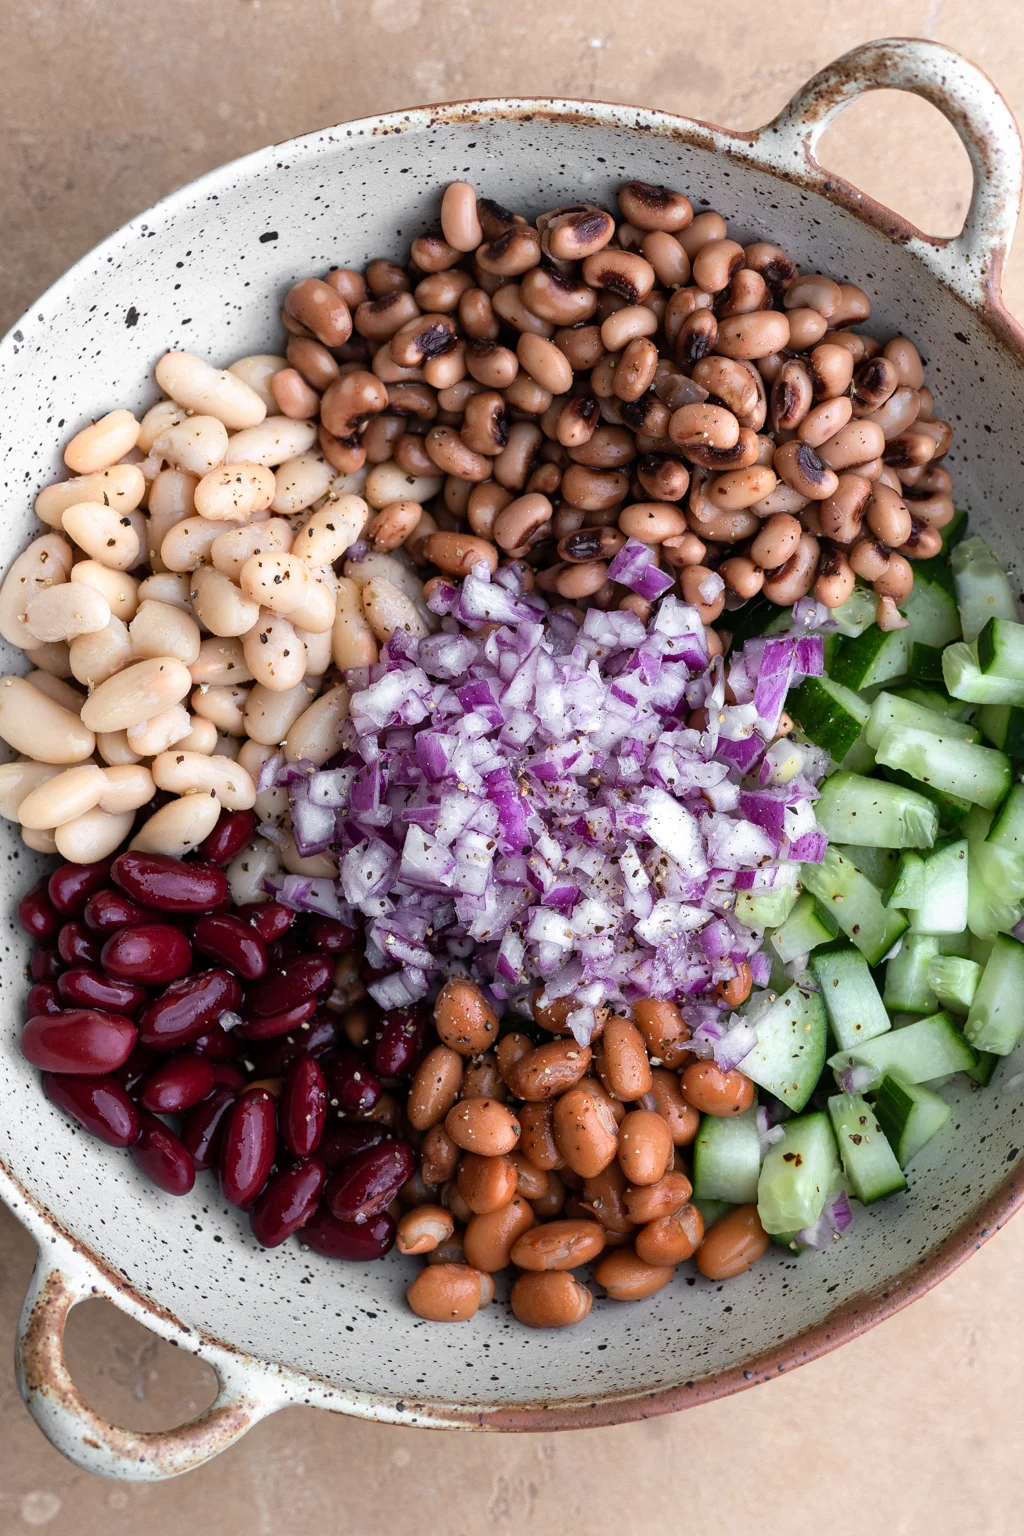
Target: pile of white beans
(184,616)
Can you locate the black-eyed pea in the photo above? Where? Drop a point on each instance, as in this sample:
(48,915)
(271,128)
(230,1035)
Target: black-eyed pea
(814,291)
(519,521)
(792,396)
(836,578)
(831,370)
(853,445)
(907,360)
(794,579)
(777,540)
(752,336)
(806,328)
(652,522)
(801,468)
(737,489)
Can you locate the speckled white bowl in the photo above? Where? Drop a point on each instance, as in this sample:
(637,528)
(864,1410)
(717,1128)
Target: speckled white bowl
(204,271)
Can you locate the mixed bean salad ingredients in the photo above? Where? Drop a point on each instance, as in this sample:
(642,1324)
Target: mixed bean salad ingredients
(535,764)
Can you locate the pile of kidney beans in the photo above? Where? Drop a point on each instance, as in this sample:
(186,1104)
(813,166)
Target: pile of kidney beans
(204,1036)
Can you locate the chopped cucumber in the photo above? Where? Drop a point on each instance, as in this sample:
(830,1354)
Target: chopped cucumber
(926,663)
(797,1175)
(909,1115)
(907,889)
(943,904)
(955,530)
(893,709)
(996,1019)
(868,1161)
(789,1055)
(855,1010)
(995,880)
(1003,726)
(917,1053)
(936,699)
(876,656)
(828,714)
(853,809)
(952,810)
(1000,649)
(758,617)
(712,1210)
(954,981)
(931,608)
(1007,829)
(877,864)
(982,589)
(727,1158)
(979,774)
(964,678)
(860,758)
(808,925)
(858,612)
(982,1073)
(906,976)
(765,909)
(855,904)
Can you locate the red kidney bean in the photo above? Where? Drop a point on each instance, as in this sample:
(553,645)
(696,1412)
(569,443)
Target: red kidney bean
(152,952)
(248,1146)
(77,946)
(277,1023)
(42,998)
(163,1157)
(218,1045)
(106,910)
(71,885)
(351,1086)
(187,1008)
(81,1041)
(203,1127)
(99,1104)
(305,976)
(396,1043)
(270,918)
(45,964)
(156,880)
(359,1243)
(85,988)
(329,936)
(229,836)
(175,1085)
(345,1138)
(274,1058)
(135,1068)
(289,1200)
(369,1181)
(231,943)
(37,914)
(302,1108)
(226,1074)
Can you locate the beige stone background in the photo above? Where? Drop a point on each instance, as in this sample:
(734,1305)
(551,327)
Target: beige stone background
(105,106)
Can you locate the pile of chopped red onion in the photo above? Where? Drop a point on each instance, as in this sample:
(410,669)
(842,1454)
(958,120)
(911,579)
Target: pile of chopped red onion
(528,804)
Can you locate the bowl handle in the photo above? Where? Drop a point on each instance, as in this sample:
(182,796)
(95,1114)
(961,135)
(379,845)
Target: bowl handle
(972,262)
(247,1394)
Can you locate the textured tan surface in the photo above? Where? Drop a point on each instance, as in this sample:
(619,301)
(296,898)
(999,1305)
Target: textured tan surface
(916,1427)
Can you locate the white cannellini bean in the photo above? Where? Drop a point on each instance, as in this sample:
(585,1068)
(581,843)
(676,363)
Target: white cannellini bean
(178,827)
(388,609)
(221,660)
(353,642)
(113,747)
(317,734)
(189,543)
(53,657)
(108,536)
(171,499)
(45,563)
(120,590)
(352,484)
(300,482)
(394,567)
(18,780)
(96,657)
(270,713)
(219,605)
(37,727)
(55,688)
(273,805)
(248,870)
(166,413)
(197,385)
(331,529)
(257,371)
(223,705)
(93,836)
(160,731)
(188,773)
(389,482)
(136,694)
(202,737)
(273,442)
(197,444)
(274,653)
(230,551)
(227,746)
(103,443)
(39,842)
(277,581)
(122,487)
(167,587)
(128,786)
(61,799)
(161,629)
(253,754)
(232,493)
(318,650)
(321,866)
(61,613)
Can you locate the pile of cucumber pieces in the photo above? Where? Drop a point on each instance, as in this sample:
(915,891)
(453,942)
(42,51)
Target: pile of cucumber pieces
(893,959)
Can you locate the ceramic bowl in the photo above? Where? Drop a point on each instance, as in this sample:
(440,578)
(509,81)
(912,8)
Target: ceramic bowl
(205,271)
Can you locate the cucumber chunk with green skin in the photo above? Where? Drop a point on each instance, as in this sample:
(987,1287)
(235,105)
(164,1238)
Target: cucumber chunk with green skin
(868,1160)
(828,714)
(1003,726)
(877,864)
(979,774)
(892,709)
(909,1115)
(907,889)
(926,663)
(852,1002)
(858,612)
(808,925)
(855,904)
(983,1072)
(930,608)
(995,880)
(797,1174)
(876,656)
(906,976)
(955,530)
(945,894)
(996,1019)
(964,679)
(727,1158)
(853,809)
(981,585)
(1000,649)
(958,944)
(952,810)
(1007,829)
(918,1053)
(758,617)
(935,699)
(712,1210)
(954,981)
(765,909)
(792,1037)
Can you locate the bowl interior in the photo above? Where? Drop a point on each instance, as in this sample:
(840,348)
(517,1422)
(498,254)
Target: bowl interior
(205,271)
